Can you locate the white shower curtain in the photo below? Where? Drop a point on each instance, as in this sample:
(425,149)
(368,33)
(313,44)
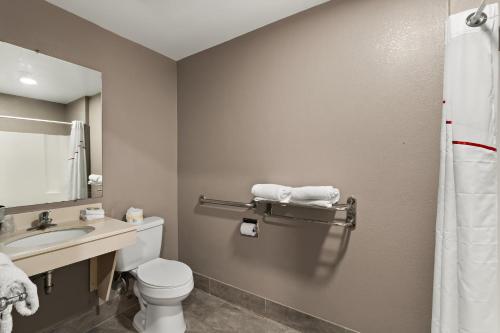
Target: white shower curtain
(77,162)
(466,257)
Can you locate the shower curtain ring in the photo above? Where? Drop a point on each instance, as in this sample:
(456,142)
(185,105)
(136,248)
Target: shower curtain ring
(477,22)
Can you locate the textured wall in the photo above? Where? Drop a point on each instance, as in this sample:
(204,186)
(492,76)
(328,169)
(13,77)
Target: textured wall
(78,110)
(11,105)
(69,296)
(348,93)
(139,112)
(95,122)
(17,106)
(139,105)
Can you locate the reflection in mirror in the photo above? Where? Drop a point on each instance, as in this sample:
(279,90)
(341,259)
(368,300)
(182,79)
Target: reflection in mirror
(50,129)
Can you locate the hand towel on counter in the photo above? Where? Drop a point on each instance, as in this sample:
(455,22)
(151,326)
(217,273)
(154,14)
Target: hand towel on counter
(84,217)
(323,193)
(94,211)
(272,192)
(92,214)
(14,281)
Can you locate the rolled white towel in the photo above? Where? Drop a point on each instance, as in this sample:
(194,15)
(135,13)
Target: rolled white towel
(324,193)
(272,192)
(14,281)
(313,203)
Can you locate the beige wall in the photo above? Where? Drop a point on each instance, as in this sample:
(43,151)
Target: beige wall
(139,109)
(139,106)
(67,298)
(78,110)
(349,94)
(17,106)
(95,124)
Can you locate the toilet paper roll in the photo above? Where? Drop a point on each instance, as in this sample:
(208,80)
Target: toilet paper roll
(248,229)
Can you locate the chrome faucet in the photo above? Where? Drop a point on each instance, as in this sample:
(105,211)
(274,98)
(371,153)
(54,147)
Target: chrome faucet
(44,221)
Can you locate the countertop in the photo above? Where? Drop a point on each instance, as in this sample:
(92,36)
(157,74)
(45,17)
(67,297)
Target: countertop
(104,228)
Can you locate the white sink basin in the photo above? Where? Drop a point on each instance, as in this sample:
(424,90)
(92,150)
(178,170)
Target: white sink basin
(50,237)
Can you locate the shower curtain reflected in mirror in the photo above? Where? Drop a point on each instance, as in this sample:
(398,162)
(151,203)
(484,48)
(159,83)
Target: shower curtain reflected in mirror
(77,163)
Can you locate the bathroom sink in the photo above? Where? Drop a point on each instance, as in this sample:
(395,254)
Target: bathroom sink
(50,237)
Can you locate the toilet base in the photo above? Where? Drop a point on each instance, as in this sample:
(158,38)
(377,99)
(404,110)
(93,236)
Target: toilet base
(138,321)
(160,319)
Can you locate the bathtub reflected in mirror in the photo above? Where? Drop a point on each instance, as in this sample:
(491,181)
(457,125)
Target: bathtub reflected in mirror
(50,129)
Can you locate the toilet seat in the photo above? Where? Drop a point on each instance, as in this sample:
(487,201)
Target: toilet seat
(164,274)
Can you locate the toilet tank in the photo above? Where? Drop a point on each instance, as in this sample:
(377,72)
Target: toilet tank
(146,248)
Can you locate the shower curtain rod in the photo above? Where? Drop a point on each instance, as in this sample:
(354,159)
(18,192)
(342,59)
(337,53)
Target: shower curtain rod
(478,18)
(35,119)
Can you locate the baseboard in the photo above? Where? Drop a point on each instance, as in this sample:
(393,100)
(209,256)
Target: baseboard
(265,307)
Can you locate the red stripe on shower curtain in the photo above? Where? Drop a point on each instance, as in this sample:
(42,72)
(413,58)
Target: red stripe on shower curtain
(473,144)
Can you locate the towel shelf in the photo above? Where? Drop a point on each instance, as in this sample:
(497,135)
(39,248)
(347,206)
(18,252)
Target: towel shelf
(5,302)
(349,208)
(204,200)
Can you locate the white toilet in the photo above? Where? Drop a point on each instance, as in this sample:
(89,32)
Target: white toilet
(161,284)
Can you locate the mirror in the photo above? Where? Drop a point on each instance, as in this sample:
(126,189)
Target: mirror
(50,129)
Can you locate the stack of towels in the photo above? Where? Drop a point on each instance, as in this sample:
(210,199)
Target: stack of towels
(13,281)
(319,196)
(91,214)
(95,179)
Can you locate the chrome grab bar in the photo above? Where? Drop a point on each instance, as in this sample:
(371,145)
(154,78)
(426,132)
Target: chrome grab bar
(350,207)
(6,301)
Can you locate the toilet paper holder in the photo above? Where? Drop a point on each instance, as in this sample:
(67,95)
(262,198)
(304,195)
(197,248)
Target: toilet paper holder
(250,221)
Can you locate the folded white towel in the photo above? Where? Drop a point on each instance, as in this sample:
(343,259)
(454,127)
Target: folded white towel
(91,217)
(93,211)
(95,179)
(14,281)
(326,193)
(272,192)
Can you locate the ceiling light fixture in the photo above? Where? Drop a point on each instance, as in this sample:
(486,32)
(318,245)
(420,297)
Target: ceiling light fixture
(29,81)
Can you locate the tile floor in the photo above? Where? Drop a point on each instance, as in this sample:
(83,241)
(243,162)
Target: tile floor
(204,313)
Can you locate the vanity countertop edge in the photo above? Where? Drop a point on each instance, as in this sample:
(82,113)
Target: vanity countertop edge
(104,228)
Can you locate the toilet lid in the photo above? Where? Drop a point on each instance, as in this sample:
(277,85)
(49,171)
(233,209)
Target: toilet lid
(164,273)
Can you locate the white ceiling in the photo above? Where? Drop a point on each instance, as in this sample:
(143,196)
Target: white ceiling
(58,81)
(179,28)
